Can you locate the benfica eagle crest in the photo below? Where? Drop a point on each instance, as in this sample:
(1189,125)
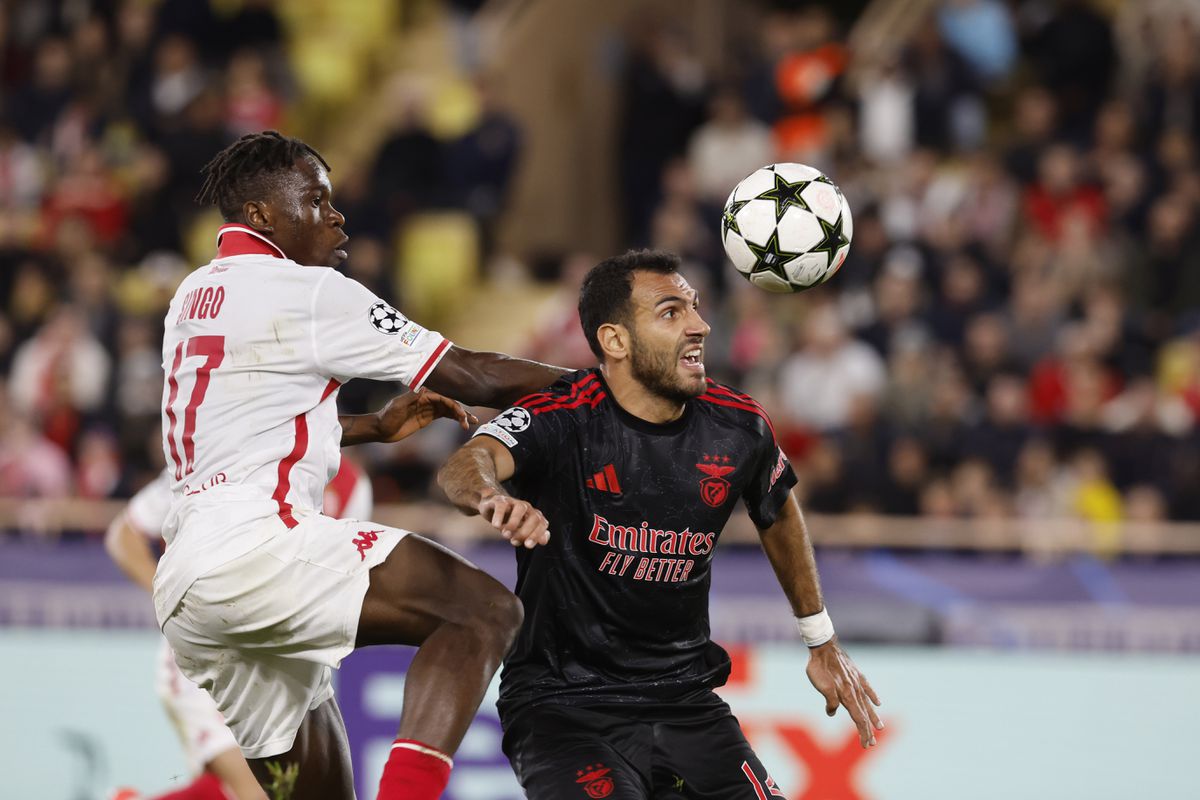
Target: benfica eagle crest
(714,489)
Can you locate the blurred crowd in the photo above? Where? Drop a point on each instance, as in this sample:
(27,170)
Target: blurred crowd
(108,111)
(1014,334)
(1016,330)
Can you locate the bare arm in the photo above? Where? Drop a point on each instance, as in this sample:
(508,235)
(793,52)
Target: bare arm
(831,671)
(471,479)
(790,552)
(130,549)
(495,380)
(401,417)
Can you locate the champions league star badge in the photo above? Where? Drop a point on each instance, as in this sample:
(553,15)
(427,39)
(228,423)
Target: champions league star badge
(595,781)
(714,489)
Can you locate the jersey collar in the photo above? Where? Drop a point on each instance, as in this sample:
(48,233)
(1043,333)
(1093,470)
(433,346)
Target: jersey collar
(234,239)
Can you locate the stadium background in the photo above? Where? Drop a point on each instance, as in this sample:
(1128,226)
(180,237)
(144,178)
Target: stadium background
(992,406)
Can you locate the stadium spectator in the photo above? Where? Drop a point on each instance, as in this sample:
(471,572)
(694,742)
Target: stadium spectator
(819,383)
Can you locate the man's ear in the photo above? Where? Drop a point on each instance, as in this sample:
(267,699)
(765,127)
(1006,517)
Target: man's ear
(614,341)
(258,216)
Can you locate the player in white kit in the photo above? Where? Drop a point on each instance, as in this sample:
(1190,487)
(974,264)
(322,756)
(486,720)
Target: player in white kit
(259,594)
(209,748)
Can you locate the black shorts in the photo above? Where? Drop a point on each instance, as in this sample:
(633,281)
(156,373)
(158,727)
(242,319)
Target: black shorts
(694,751)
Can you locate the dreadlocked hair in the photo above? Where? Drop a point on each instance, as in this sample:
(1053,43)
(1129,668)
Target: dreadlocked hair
(238,172)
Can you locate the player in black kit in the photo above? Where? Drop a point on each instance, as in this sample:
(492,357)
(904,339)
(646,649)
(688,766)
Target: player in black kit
(635,468)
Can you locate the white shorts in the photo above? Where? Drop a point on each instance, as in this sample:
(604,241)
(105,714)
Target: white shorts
(264,632)
(201,728)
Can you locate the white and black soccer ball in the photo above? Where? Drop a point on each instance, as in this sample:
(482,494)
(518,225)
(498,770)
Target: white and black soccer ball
(386,319)
(787,228)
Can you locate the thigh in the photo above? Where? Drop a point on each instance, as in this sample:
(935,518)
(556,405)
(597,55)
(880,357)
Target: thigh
(568,753)
(421,585)
(708,758)
(317,767)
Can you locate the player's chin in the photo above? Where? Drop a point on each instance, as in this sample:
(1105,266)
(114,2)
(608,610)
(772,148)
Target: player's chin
(334,258)
(692,380)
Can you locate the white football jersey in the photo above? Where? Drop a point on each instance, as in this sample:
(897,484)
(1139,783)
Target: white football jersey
(255,348)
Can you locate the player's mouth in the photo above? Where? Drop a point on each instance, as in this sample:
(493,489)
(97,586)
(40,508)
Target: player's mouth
(693,359)
(340,252)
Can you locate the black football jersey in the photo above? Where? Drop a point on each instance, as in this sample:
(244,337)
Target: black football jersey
(616,605)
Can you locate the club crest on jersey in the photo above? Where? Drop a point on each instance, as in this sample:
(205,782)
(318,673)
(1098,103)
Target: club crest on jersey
(714,489)
(595,781)
(386,319)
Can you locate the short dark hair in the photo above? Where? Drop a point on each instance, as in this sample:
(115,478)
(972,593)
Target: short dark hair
(242,170)
(604,295)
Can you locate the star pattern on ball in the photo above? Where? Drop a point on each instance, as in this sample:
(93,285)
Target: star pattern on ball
(768,257)
(832,238)
(785,195)
(729,218)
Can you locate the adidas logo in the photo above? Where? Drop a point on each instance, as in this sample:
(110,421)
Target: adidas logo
(605,480)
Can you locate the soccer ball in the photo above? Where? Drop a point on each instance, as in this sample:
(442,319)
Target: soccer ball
(787,228)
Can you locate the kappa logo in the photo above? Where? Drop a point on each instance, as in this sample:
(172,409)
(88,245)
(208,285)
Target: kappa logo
(365,541)
(714,489)
(514,420)
(595,781)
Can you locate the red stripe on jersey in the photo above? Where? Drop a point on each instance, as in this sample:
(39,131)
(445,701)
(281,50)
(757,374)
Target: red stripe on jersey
(753,409)
(337,493)
(601,483)
(429,362)
(284,484)
(171,395)
(611,475)
(334,383)
(725,391)
(592,397)
(539,398)
(749,773)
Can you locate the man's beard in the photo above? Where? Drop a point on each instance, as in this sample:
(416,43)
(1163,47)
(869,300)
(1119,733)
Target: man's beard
(656,372)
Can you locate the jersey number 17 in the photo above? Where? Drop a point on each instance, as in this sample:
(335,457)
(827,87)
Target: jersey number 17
(212,350)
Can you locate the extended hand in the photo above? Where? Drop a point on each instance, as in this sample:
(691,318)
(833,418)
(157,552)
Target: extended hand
(408,413)
(836,677)
(517,520)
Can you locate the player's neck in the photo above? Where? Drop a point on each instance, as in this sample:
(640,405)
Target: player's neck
(636,399)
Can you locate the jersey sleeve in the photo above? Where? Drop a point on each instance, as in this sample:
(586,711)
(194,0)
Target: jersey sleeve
(147,510)
(355,334)
(772,480)
(530,436)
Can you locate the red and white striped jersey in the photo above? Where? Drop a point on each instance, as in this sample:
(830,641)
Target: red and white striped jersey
(255,348)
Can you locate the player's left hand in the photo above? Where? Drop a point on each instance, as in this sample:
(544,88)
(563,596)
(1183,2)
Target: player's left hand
(836,677)
(406,414)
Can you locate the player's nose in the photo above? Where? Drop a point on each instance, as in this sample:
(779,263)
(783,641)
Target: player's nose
(336,218)
(698,327)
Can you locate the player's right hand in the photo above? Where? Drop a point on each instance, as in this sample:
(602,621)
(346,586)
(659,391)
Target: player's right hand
(518,521)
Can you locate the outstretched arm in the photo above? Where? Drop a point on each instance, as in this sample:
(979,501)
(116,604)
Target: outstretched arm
(471,479)
(494,380)
(403,416)
(831,671)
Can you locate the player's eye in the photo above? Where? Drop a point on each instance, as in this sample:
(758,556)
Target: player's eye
(316,201)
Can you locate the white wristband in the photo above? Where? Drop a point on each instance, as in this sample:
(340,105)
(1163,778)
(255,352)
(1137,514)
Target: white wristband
(815,629)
